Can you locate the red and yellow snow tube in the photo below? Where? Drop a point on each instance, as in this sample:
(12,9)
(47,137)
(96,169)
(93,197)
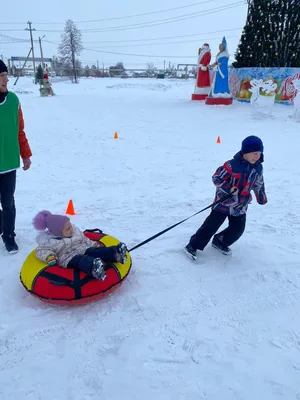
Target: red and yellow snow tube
(67,286)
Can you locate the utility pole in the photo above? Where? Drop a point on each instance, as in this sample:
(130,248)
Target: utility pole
(23,66)
(41,50)
(30,29)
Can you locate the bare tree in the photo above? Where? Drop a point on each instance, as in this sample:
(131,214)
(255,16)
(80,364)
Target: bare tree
(150,68)
(70,47)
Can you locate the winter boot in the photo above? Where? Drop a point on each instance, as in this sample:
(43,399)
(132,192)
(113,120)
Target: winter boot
(10,244)
(191,252)
(98,271)
(218,244)
(120,253)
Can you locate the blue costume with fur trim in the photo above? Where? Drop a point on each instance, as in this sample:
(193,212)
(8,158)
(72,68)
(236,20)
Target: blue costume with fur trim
(220,84)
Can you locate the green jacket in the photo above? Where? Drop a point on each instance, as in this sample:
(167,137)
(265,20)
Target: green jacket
(9,133)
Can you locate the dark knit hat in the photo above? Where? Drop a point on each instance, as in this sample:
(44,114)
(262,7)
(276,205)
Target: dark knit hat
(3,67)
(252,144)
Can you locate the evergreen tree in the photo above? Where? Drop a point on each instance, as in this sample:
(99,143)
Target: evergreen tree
(70,47)
(271,36)
(290,54)
(39,74)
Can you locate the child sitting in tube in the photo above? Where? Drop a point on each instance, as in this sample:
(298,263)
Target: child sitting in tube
(64,244)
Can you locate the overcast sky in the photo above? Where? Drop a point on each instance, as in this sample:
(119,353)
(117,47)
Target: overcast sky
(173,35)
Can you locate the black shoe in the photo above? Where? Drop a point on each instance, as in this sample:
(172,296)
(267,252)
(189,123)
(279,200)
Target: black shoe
(218,244)
(10,244)
(191,252)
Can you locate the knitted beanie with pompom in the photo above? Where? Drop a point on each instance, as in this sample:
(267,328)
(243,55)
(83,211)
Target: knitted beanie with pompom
(53,222)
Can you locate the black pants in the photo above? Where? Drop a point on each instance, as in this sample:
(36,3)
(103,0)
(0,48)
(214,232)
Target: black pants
(8,212)
(211,225)
(84,262)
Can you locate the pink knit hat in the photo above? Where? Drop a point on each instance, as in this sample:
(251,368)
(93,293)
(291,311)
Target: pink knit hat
(53,222)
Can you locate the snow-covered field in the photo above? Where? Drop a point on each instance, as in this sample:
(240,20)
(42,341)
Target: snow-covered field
(218,329)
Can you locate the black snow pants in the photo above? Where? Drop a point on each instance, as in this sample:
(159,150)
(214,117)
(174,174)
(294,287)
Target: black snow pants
(211,225)
(8,212)
(85,262)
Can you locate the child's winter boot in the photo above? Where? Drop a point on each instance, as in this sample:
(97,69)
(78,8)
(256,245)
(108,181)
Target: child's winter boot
(120,253)
(98,271)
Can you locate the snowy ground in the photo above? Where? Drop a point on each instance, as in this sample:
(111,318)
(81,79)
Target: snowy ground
(219,329)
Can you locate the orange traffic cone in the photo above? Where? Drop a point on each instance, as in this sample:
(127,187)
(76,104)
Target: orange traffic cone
(116,136)
(218,140)
(70,209)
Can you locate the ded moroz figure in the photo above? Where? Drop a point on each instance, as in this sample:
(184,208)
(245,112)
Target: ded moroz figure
(202,84)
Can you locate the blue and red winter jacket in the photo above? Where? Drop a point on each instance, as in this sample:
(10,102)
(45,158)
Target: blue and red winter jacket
(245,177)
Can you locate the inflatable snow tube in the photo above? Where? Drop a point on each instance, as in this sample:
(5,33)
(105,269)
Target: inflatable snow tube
(67,286)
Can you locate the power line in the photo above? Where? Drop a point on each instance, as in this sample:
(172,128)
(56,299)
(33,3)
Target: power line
(13,42)
(12,23)
(12,39)
(50,41)
(160,44)
(94,62)
(116,18)
(130,16)
(151,44)
(128,54)
(162,21)
(167,20)
(141,55)
(12,30)
(167,37)
(159,38)
(152,23)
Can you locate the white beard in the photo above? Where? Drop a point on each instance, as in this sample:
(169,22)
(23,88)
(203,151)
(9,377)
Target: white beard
(203,51)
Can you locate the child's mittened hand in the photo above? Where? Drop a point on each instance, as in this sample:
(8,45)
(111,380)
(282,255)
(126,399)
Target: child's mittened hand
(51,260)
